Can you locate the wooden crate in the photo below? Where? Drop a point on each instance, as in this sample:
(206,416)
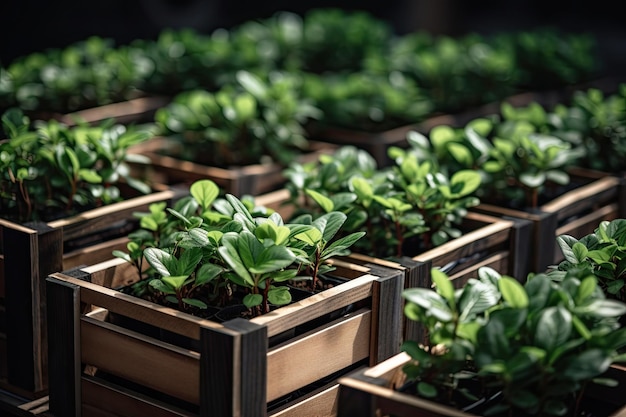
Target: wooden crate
(33,251)
(578,212)
(254,180)
(377,143)
(370,392)
(239,367)
(502,244)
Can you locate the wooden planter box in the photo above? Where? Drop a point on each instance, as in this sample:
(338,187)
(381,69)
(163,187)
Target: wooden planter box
(370,392)
(254,180)
(377,143)
(577,213)
(502,244)
(239,367)
(33,251)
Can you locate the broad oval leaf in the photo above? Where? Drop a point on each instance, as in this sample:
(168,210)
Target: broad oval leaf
(513,292)
(175,282)
(204,192)
(553,328)
(160,260)
(279,296)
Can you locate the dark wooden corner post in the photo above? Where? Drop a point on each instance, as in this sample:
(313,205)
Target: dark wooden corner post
(387,313)
(233,370)
(30,255)
(63,348)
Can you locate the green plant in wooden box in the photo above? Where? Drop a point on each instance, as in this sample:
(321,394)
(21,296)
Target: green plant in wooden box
(405,209)
(549,57)
(517,163)
(595,121)
(212,250)
(603,251)
(89,73)
(255,120)
(52,170)
(532,347)
(366,102)
(454,73)
(185,59)
(336,40)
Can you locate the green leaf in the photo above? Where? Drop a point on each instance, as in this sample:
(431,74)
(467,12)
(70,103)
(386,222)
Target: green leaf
(279,296)
(513,292)
(329,224)
(311,237)
(579,251)
(207,273)
(340,246)
(566,243)
(188,261)
(175,282)
(587,365)
(554,327)
(252,300)
(204,192)
(272,259)
(228,252)
(122,255)
(89,176)
(443,285)
(160,260)
(469,179)
(426,390)
(161,286)
(324,202)
(195,303)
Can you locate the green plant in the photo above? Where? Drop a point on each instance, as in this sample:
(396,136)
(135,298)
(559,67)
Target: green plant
(603,252)
(184,59)
(52,170)
(548,57)
(336,40)
(208,250)
(257,120)
(453,72)
(532,346)
(404,209)
(85,74)
(595,122)
(518,163)
(367,101)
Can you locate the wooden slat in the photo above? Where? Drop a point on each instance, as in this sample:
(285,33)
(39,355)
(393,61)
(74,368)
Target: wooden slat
(371,392)
(252,179)
(584,197)
(102,217)
(104,399)
(289,316)
(166,368)
(139,309)
(93,254)
(283,360)
(491,234)
(321,403)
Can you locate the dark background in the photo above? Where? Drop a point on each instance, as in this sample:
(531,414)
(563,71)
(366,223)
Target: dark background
(31,25)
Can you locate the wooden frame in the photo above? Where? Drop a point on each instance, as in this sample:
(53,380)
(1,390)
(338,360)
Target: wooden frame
(577,213)
(502,244)
(370,392)
(166,168)
(234,368)
(32,252)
